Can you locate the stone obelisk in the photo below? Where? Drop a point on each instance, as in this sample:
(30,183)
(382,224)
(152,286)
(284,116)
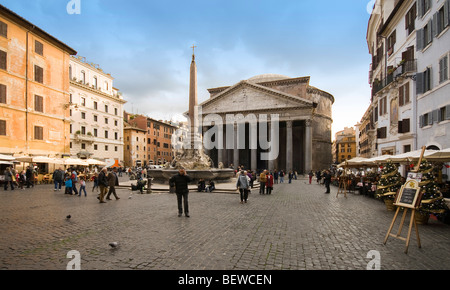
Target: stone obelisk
(193,100)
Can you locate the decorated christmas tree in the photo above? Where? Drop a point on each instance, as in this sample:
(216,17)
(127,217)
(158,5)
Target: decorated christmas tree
(389,183)
(432,199)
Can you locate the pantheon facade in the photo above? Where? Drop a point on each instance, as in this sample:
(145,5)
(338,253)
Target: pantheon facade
(304,115)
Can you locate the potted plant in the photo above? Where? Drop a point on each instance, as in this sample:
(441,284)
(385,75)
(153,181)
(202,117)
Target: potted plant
(389,184)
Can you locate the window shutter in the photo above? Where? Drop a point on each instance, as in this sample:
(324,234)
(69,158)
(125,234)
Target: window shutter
(420,121)
(420,7)
(406,125)
(2,127)
(436,25)
(3,59)
(447,13)
(3,29)
(430,118)
(2,94)
(447,112)
(400,127)
(406,95)
(419,83)
(429,31)
(419,39)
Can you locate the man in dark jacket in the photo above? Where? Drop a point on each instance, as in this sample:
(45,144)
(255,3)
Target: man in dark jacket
(103,184)
(181,182)
(58,178)
(327,180)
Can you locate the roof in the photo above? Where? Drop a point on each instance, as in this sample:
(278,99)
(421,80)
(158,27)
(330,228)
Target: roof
(5,12)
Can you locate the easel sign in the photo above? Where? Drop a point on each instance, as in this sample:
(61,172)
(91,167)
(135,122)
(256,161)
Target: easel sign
(408,195)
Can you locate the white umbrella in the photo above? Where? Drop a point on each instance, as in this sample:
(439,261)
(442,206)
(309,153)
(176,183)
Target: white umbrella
(441,155)
(75,161)
(95,162)
(28,159)
(45,159)
(7,157)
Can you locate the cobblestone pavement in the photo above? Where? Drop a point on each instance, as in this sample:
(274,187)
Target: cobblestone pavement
(297,227)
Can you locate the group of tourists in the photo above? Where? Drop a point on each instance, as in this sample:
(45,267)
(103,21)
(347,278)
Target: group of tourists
(19,179)
(325,175)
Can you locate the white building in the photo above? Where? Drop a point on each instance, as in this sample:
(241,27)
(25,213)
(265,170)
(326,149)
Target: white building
(409,43)
(96,113)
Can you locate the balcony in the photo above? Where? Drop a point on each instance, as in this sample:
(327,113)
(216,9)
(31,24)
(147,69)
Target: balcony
(409,66)
(405,67)
(84,137)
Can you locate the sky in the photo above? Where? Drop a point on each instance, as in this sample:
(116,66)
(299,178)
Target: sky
(146,46)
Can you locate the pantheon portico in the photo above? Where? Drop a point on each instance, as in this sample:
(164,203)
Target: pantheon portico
(303,112)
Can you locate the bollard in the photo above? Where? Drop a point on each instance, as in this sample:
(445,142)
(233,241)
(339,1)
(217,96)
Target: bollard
(149,185)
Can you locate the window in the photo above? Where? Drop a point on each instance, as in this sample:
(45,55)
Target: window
(106,147)
(423,6)
(70,128)
(2,94)
(95,82)
(410,19)
(95,118)
(3,59)
(70,72)
(83,101)
(38,74)
(95,132)
(3,29)
(95,105)
(427,80)
(383,106)
(441,19)
(106,120)
(38,103)
(2,128)
(391,42)
(404,126)
(425,36)
(116,135)
(116,111)
(423,81)
(95,147)
(83,77)
(382,133)
(116,148)
(403,93)
(83,130)
(83,146)
(116,123)
(38,47)
(83,115)
(444,113)
(406,148)
(106,108)
(38,133)
(106,134)
(106,86)
(443,69)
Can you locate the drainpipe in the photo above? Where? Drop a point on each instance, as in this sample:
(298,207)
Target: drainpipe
(26,91)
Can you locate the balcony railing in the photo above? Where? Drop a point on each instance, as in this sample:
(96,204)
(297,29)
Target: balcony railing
(409,66)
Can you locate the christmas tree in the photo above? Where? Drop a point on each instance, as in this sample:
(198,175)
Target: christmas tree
(432,199)
(390,182)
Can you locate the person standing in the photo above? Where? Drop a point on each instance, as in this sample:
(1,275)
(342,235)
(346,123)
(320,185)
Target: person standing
(243,184)
(181,182)
(58,178)
(68,185)
(95,179)
(103,184)
(281,175)
(290,176)
(327,180)
(29,176)
(275,176)
(113,181)
(269,184)
(311,174)
(262,182)
(74,178)
(8,178)
(82,186)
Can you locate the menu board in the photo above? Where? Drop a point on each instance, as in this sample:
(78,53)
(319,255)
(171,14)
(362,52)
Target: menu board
(408,194)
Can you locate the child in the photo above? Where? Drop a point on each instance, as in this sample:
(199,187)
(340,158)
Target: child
(82,186)
(68,185)
(95,179)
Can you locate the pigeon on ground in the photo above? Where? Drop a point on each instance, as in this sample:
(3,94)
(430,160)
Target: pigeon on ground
(68,217)
(114,244)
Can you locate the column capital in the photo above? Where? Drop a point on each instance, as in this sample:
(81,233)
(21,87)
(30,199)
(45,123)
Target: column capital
(308,122)
(289,123)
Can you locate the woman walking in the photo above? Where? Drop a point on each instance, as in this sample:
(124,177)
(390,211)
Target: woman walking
(243,185)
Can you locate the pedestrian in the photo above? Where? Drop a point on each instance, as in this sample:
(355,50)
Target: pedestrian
(68,185)
(74,178)
(269,184)
(327,180)
(30,177)
(95,181)
(281,175)
(21,179)
(243,185)
(8,178)
(275,176)
(310,174)
(181,182)
(318,176)
(290,176)
(201,185)
(82,186)
(113,181)
(58,178)
(262,182)
(103,184)
(211,186)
